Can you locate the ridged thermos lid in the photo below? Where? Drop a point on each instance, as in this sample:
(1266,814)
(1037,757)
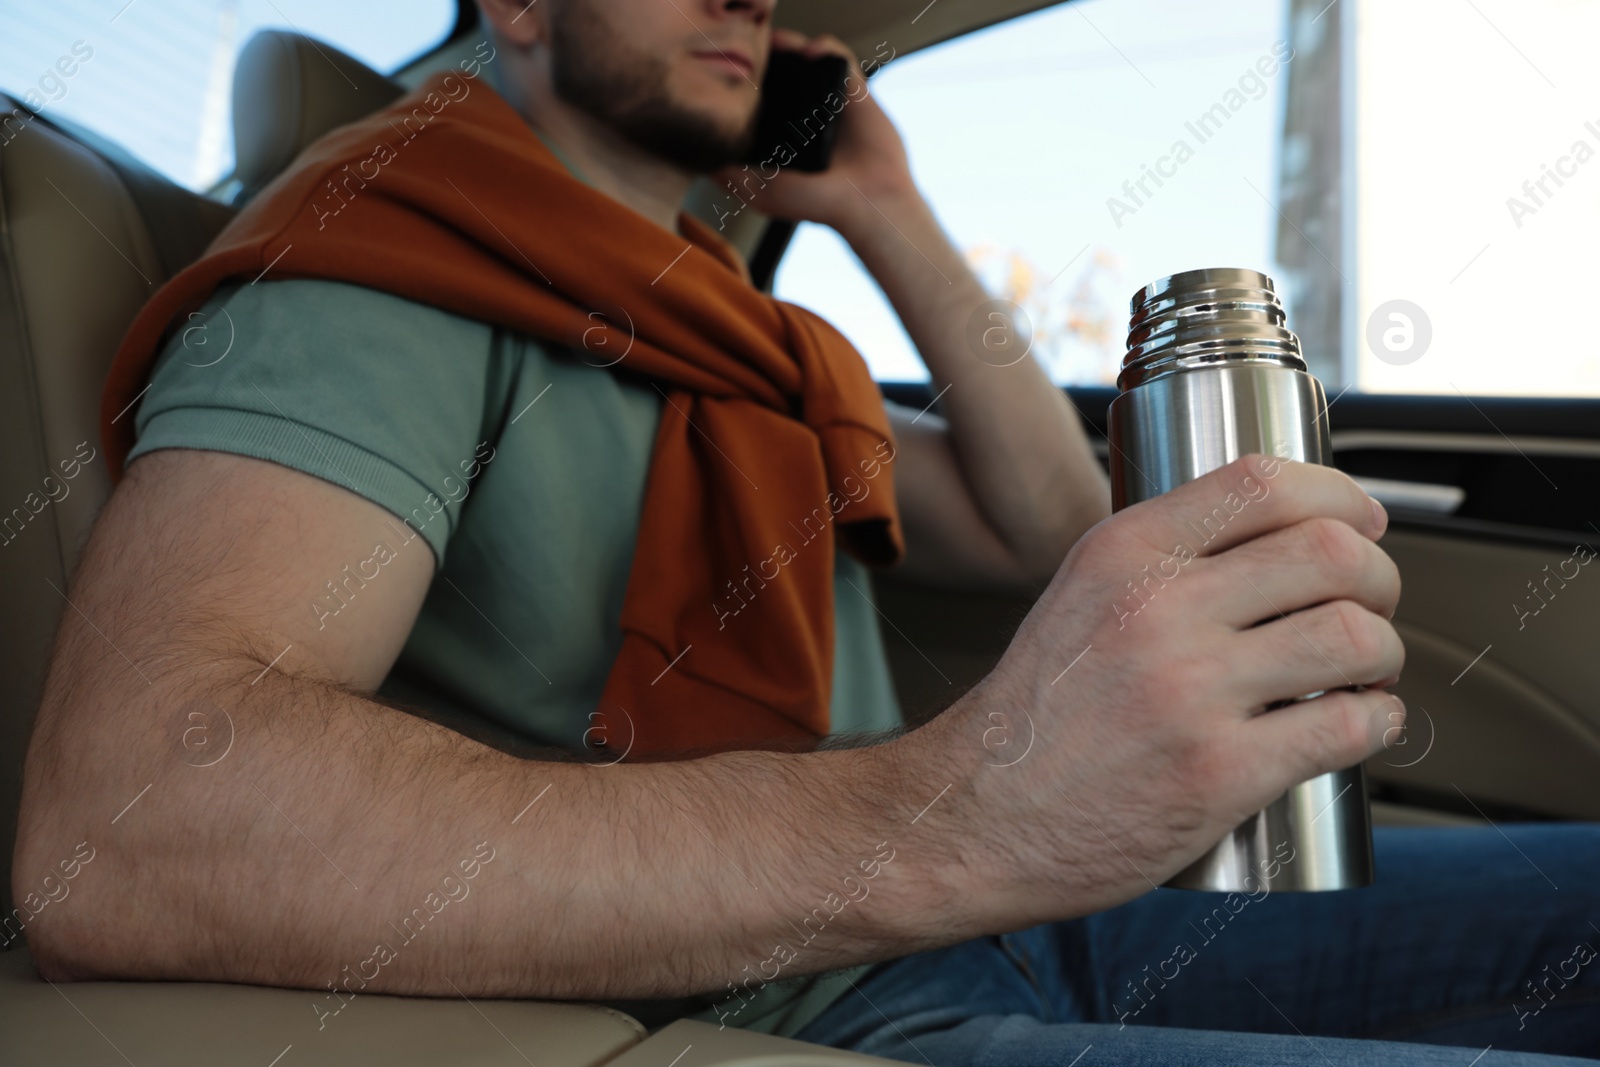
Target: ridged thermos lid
(1204,317)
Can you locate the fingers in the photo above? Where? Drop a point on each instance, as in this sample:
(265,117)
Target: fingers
(788,40)
(827,44)
(1249,497)
(823,44)
(1329,646)
(1311,562)
(1312,737)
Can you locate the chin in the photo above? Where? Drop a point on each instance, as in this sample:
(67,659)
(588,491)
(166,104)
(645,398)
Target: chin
(727,101)
(730,116)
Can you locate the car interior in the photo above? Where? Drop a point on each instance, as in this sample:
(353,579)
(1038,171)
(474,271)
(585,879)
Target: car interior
(1488,495)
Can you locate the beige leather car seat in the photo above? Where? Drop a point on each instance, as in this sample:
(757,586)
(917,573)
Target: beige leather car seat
(87,235)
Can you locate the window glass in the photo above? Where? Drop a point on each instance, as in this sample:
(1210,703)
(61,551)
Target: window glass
(1477,196)
(1074,155)
(156,76)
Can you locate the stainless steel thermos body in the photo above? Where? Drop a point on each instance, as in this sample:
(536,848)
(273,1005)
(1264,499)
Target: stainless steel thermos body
(1213,374)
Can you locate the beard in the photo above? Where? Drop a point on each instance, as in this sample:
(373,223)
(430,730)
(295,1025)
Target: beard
(627,90)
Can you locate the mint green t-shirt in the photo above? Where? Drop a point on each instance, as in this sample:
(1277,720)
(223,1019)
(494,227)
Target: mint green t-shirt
(533,541)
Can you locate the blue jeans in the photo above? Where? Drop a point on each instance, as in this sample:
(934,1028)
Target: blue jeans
(1471,938)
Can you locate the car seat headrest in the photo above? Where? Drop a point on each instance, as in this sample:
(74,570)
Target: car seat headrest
(289,90)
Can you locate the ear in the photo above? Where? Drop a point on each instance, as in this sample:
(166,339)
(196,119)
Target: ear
(517,23)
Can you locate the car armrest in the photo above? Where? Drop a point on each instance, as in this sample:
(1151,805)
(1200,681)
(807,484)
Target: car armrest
(199,1023)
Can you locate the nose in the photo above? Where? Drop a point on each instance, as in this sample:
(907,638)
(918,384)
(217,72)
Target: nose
(757,12)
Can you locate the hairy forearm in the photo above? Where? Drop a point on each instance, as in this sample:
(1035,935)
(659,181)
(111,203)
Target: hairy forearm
(1022,450)
(335,824)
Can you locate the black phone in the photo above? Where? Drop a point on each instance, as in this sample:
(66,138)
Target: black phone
(798,118)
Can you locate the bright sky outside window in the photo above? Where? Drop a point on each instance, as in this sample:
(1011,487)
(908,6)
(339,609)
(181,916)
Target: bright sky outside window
(156,75)
(1477,195)
(1027,138)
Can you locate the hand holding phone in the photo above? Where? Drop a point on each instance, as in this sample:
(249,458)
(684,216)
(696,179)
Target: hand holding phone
(797,121)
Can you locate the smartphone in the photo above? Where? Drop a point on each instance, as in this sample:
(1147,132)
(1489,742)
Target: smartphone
(794,118)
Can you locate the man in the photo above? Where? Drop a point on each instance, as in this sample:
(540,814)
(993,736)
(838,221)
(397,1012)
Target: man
(262,558)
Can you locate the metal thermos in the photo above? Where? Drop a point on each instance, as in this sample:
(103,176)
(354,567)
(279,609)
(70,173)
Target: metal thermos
(1212,374)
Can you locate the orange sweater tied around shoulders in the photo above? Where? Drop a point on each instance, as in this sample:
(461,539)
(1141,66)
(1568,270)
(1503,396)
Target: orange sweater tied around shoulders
(773,438)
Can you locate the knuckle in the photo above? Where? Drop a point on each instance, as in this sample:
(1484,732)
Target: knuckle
(1293,475)
(1390,581)
(1093,545)
(1358,632)
(1251,465)
(1347,730)
(1334,545)
(1395,660)
(1109,549)
(1089,565)
(1360,501)
(1338,735)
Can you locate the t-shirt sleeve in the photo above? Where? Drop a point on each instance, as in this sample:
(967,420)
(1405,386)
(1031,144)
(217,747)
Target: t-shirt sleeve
(380,395)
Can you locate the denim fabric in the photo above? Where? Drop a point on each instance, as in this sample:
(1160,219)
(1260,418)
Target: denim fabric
(1471,938)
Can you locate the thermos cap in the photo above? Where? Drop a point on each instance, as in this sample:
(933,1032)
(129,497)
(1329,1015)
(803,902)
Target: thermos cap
(1203,317)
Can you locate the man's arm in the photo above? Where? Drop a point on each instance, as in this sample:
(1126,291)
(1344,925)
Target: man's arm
(334,823)
(998,489)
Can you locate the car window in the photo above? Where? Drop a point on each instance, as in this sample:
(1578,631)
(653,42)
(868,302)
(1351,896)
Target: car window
(1420,179)
(1038,143)
(156,76)
(1476,195)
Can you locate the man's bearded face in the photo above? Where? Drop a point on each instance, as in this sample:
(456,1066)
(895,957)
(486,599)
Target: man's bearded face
(643,69)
